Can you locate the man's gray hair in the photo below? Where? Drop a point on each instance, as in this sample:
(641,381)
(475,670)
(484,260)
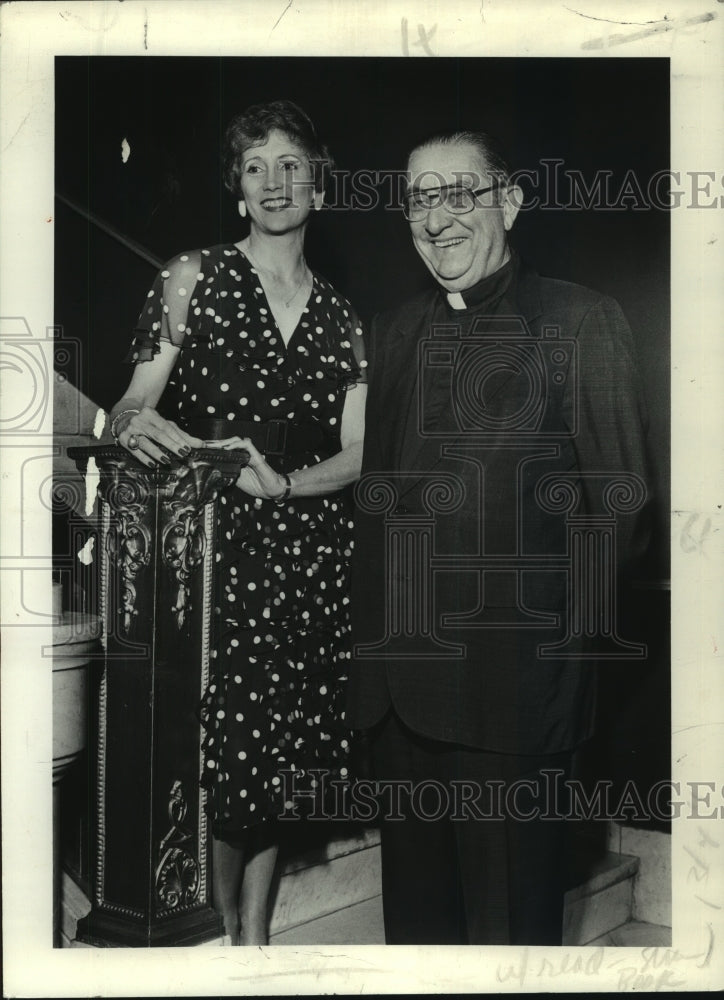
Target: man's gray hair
(488,147)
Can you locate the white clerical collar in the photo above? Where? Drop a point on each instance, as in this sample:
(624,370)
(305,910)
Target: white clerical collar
(483,290)
(455,300)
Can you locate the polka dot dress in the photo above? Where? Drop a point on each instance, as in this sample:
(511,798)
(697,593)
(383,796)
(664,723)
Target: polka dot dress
(273,710)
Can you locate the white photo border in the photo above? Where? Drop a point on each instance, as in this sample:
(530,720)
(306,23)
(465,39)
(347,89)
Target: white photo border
(32,35)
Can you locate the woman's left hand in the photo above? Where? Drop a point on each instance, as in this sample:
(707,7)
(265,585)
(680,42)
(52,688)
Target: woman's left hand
(258,479)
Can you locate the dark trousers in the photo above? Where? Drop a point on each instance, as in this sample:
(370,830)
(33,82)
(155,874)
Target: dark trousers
(457,873)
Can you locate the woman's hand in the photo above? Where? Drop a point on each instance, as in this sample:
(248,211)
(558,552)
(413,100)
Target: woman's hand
(146,434)
(258,479)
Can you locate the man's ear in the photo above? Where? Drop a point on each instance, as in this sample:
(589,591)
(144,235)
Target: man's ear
(318,200)
(511,206)
(242,208)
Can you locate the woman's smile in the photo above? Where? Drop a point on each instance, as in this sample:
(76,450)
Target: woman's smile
(277,204)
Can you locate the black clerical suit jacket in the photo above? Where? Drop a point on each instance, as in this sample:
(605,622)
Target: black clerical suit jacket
(492,431)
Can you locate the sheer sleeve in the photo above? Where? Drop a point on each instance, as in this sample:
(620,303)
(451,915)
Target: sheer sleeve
(165,314)
(355,339)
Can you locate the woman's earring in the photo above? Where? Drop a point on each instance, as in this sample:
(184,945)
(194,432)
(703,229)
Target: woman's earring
(318,200)
(242,208)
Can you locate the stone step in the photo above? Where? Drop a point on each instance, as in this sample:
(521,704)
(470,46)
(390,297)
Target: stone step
(635,934)
(348,872)
(320,874)
(329,876)
(594,909)
(603,901)
(74,905)
(329,893)
(360,923)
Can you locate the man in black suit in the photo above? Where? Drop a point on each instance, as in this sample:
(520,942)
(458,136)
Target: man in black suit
(500,503)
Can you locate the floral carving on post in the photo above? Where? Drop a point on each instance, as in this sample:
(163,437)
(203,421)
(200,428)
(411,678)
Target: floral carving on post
(177,872)
(183,546)
(183,543)
(128,541)
(184,488)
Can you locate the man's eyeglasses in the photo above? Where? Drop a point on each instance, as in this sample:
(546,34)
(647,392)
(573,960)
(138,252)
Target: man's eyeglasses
(454,199)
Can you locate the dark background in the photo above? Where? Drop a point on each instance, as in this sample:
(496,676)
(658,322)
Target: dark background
(595,114)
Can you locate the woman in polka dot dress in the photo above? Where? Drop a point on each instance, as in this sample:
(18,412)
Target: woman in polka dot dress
(261,353)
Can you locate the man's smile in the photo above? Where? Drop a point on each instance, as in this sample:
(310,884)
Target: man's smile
(449,241)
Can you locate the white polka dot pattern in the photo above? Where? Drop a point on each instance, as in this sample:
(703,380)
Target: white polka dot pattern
(281,628)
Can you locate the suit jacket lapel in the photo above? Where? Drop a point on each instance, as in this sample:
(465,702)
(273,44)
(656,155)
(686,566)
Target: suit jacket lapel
(409,385)
(397,392)
(432,395)
(424,453)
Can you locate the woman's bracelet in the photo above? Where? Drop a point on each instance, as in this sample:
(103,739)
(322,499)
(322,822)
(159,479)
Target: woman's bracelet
(284,496)
(116,419)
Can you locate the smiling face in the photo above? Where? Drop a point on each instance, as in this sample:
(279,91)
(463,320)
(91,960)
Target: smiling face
(277,183)
(459,250)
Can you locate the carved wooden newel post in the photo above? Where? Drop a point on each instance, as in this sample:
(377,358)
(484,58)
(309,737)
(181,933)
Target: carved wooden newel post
(157,541)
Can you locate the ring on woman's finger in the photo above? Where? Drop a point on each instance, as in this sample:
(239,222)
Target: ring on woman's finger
(133,442)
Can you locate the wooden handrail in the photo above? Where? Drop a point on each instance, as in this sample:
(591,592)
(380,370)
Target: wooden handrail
(96,220)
